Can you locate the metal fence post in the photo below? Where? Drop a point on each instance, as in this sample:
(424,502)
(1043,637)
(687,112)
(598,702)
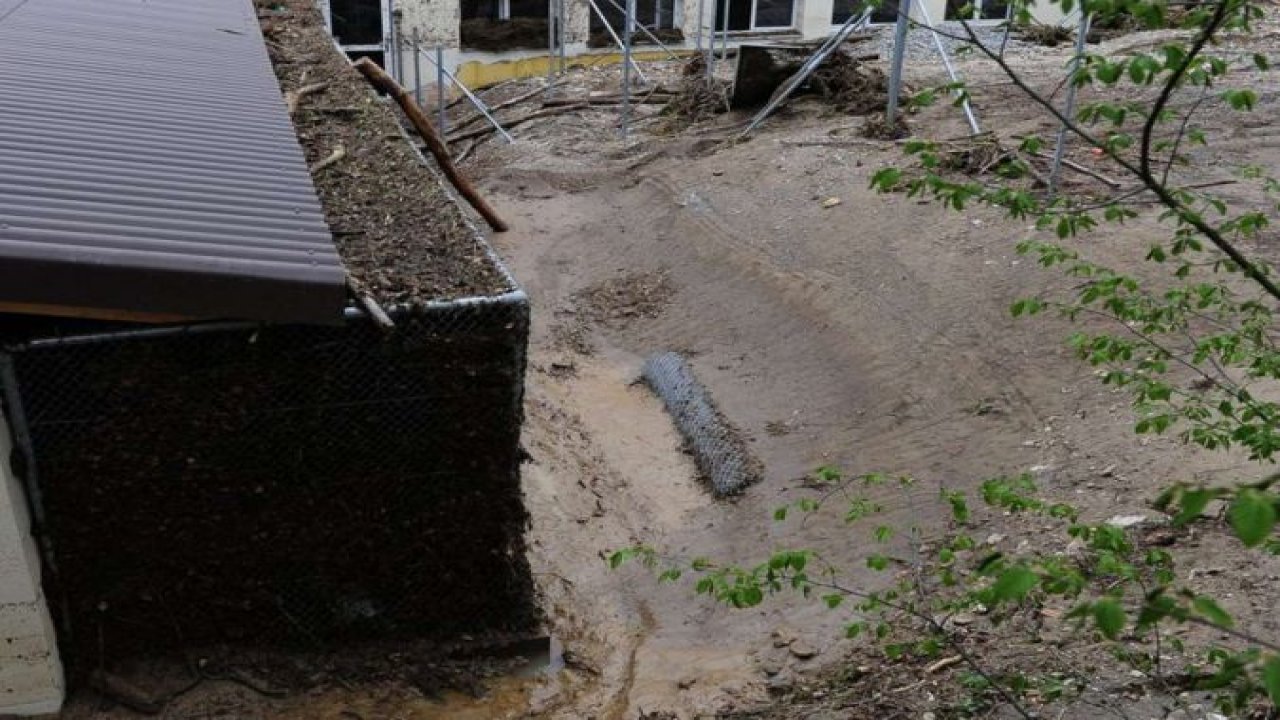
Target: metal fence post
(899,54)
(416,41)
(629,16)
(1060,147)
(440,88)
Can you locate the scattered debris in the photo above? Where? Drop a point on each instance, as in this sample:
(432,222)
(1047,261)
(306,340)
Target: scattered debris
(1042,34)
(878,127)
(698,97)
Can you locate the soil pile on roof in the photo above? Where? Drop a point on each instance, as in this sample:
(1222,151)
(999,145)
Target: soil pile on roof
(402,237)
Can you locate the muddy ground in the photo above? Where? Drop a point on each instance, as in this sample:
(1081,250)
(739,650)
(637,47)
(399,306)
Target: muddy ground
(835,326)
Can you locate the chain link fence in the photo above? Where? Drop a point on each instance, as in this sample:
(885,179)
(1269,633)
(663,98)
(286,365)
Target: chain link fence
(288,485)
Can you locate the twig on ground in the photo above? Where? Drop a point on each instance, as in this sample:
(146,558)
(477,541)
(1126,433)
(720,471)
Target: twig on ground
(293,98)
(334,157)
(508,124)
(1112,182)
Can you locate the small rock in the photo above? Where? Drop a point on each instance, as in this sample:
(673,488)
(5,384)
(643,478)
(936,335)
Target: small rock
(1077,548)
(995,539)
(686,682)
(1108,471)
(963,619)
(928,716)
(783,637)
(803,650)
(1126,521)
(831,202)
(781,682)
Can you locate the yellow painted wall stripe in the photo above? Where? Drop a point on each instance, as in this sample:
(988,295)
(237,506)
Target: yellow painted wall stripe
(476,74)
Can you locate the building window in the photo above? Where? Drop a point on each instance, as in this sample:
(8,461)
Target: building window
(756,14)
(498,25)
(659,17)
(980,9)
(842,10)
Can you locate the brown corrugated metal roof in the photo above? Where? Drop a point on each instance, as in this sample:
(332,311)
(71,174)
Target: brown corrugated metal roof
(148,164)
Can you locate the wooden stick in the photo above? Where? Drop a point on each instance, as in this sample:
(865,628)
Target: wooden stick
(545,112)
(337,154)
(370,306)
(505,104)
(607,100)
(380,79)
(1083,170)
(293,98)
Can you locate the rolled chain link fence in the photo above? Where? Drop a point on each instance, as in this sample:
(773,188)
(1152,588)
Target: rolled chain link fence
(717,447)
(291,485)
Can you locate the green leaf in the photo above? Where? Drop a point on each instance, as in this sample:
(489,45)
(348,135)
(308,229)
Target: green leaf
(1014,583)
(1271,678)
(1212,611)
(1253,516)
(780,514)
(833,600)
(1110,617)
(1261,61)
(1191,504)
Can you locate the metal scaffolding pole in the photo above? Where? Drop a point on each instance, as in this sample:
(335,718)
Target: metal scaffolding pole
(617,40)
(560,31)
(1060,148)
(951,71)
(471,97)
(440,105)
(629,17)
(724,30)
(416,41)
(899,54)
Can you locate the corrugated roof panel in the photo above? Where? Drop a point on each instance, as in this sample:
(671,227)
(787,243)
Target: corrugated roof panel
(148,164)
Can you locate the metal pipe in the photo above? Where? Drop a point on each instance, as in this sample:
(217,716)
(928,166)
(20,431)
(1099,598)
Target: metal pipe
(617,40)
(1008,23)
(417,68)
(1060,147)
(551,41)
(440,104)
(560,29)
(724,31)
(951,71)
(475,101)
(895,64)
(697,35)
(628,18)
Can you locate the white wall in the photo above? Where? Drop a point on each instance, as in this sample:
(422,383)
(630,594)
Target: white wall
(30,671)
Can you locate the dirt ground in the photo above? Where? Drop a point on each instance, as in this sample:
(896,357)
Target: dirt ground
(871,333)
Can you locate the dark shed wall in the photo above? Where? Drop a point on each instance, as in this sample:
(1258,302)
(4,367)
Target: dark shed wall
(285,484)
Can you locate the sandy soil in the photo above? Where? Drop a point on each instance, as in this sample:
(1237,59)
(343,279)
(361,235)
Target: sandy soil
(872,334)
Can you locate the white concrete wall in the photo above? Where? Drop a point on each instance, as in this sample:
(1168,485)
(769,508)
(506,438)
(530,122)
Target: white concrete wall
(30,671)
(436,20)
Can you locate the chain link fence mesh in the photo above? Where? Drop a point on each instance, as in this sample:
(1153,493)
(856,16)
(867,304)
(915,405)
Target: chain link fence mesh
(288,485)
(717,447)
